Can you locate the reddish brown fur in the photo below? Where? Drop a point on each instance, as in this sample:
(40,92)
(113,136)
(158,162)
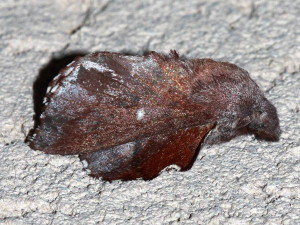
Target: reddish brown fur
(163,105)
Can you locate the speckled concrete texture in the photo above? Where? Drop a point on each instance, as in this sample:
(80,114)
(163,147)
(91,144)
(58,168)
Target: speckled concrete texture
(244,181)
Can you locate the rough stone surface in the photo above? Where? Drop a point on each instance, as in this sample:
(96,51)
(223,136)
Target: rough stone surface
(244,181)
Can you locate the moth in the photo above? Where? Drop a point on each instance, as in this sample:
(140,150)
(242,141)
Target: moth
(129,117)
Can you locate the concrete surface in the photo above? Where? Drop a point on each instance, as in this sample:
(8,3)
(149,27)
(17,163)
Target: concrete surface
(244,181)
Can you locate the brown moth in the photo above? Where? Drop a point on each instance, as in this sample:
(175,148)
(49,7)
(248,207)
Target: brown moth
(130,117)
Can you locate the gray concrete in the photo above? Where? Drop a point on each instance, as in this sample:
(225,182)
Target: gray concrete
(244,181)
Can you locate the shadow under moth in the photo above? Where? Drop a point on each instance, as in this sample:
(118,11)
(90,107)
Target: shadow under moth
(130,117)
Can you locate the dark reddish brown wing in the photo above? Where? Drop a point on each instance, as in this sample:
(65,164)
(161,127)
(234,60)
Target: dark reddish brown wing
(145,158)
(106,99)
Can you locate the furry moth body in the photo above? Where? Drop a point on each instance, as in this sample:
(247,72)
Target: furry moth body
(130,117)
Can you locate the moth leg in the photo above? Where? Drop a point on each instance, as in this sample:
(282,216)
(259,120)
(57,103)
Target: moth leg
(145,158)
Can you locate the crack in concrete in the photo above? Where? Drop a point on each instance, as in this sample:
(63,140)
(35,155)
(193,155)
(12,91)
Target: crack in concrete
(83,22)
(86,18)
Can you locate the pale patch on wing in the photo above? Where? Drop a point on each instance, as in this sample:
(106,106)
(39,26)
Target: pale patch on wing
(96,66)
(140,114)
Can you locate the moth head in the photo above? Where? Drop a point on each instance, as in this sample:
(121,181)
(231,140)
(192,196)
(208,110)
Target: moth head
(265,123)
(260,119)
